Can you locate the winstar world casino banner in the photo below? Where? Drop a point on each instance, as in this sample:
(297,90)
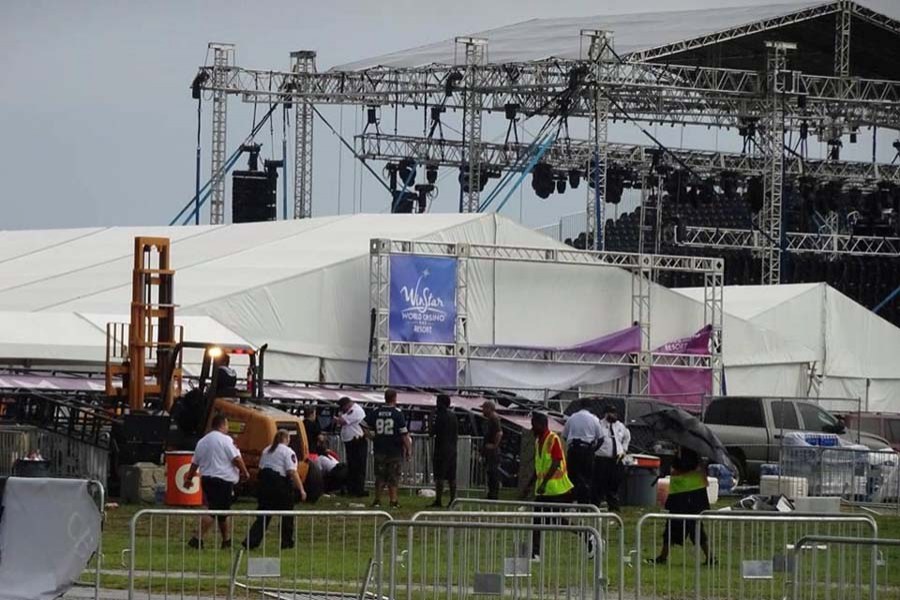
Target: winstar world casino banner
(423,310)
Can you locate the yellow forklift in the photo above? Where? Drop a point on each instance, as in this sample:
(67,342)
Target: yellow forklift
(146,356)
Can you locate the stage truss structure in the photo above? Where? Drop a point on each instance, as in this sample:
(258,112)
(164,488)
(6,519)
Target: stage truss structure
(602,87)
(643,269)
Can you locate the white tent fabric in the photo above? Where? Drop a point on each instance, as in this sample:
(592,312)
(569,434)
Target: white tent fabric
(302,287)
(854,349)
(67,338)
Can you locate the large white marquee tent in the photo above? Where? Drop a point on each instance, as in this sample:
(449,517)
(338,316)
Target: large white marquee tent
(857,353)
(302,287)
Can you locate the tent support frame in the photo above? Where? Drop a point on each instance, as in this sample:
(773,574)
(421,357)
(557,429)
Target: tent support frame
(642,267)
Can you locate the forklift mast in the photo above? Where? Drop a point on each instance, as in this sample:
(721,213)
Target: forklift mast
(147,352)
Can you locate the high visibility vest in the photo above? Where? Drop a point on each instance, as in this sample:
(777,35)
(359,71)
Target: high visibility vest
(686,482)
(559,484)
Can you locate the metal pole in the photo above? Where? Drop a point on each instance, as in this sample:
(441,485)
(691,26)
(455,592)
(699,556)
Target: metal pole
(197,173)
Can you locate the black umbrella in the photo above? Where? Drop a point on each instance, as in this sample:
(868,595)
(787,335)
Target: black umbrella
(686,430)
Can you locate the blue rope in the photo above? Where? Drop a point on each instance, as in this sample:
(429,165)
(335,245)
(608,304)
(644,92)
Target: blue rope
(887,300)
(510,174)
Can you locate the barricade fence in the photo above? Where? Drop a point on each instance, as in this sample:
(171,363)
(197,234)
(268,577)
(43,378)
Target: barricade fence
(855,475)
(609,552)
(331,555)
(418,471)
(740,556)
(507,549)
(844,568)
(425,559)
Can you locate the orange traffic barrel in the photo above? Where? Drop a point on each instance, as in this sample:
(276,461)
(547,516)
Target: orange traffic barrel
(177,466)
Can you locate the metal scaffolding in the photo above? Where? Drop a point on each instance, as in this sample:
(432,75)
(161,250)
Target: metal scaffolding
(303,62)
(475,52)
(600,54)
(220,74)
(643,268)
(772,144)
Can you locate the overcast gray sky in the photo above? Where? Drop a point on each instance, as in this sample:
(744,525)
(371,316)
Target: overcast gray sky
(98,124)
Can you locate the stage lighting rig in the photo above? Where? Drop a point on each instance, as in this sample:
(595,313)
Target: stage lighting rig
(728,183)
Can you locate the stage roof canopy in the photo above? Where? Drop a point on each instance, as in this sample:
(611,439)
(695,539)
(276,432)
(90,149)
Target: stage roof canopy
(731,37)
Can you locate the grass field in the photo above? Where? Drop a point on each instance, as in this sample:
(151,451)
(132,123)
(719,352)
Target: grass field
(332,555)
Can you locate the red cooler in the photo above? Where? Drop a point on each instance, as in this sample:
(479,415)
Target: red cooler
(177,465)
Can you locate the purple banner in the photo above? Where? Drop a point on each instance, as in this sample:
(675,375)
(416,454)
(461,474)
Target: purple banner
(618,342)
(682,386)
(695,344)
(423,299)
(422,371)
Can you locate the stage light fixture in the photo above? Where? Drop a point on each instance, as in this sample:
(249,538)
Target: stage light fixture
(451,82)
(754,195)
(574,178)
(431,173)
(407,171)
(560,183)
(542,180)
(196,85)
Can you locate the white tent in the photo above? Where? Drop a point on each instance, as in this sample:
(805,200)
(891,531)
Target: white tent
(857,353)
(302,287)
(60,339)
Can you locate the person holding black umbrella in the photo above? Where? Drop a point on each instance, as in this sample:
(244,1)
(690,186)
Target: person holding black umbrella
(687,496)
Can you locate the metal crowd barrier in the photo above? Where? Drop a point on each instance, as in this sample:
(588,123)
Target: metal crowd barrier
(842,575)
(609,553)
(751,553)
(418,471)
(454,559)
(332,555)
(858,476)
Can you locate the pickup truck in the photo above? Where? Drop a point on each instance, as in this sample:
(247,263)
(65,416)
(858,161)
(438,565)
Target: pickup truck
(751,428)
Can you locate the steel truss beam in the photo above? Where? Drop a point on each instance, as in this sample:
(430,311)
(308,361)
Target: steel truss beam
(574,154)
(642,266)
(733,33)
(795,242)
(648,91)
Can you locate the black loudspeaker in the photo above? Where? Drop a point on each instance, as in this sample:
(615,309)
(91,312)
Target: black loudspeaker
(253,196)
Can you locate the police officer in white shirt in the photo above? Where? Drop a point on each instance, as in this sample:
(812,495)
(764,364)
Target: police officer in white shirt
(356,447)
(608,467)
(278,478)
(220,465)
(582,434)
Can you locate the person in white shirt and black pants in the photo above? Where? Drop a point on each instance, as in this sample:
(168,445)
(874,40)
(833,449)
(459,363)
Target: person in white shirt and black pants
(582,434)
(356,447)
(221,467)
(608,467)
(276,482)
